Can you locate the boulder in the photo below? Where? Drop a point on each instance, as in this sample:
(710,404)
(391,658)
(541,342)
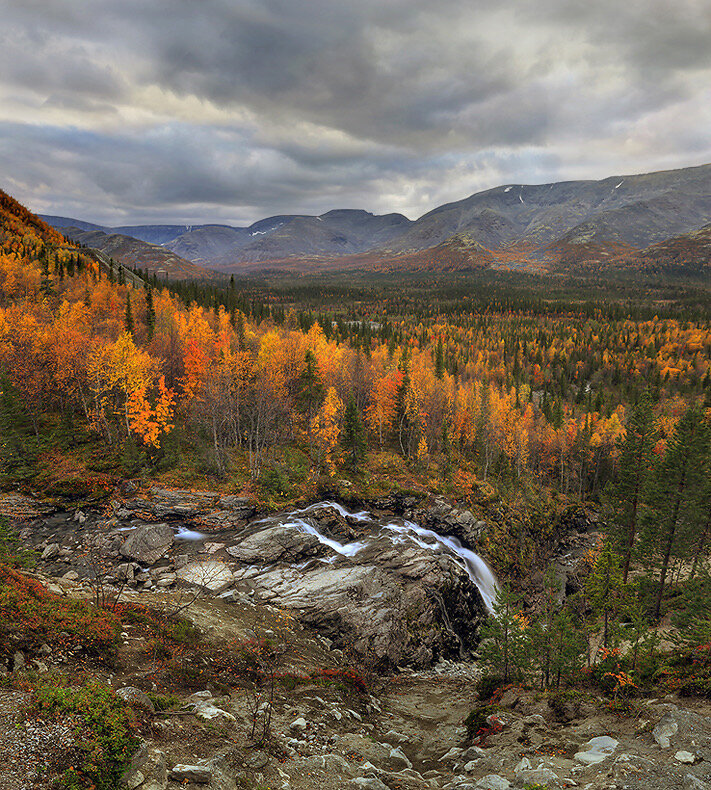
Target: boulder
(136,699)
(50,552)
(367,783)
(685,757)
(212,575)
(147,770)
(201,774)
(493,782)
(666,728)
(596,750)
(147,544)
(278,543)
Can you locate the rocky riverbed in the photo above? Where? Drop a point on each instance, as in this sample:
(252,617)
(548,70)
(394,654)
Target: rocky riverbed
(376,582)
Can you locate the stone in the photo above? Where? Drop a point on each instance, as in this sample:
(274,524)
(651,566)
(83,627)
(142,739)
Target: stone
(666,728)
(18,661)
(493,782)
(212,575)
(298,725)
(136,698)
(191,773)
(453,754)
(398,759)
(367,783)
(685,757)
(147,770)
(691,782)
(148,543)
(50,552)
(596,750)
(537,776)
(70,576)
(207,711)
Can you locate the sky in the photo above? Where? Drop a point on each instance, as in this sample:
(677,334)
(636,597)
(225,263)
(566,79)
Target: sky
(189,111)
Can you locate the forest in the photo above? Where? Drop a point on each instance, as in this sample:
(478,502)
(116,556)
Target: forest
(535,402)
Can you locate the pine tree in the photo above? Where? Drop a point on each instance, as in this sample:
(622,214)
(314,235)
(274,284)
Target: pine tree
(676,515)
(625,496)
(150,312)
(604,588)
(353,433)
(439,359)
(507,639)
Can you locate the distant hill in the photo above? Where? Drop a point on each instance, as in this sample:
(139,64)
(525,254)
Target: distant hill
(137,254)
(690,252)
(545,227)
(336,233)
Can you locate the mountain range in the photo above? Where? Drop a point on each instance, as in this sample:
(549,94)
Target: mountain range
(629,220)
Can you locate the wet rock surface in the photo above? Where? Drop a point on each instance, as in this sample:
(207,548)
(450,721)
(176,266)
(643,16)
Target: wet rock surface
(369,584)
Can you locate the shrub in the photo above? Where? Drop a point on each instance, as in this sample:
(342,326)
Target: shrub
(105,733)
(31,615)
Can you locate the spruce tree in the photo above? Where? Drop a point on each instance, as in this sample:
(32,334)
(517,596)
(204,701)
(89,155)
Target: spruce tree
(676,515)
(353,433)
(625,495)
(150,312)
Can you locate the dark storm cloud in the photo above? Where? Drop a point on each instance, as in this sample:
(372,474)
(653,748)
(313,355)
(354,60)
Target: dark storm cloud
(236,109)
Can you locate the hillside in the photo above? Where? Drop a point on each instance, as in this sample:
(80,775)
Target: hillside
(137,254)
(637,210)
(544,227)
(336,233)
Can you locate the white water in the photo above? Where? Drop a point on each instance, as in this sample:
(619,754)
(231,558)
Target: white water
(477,570)
(183,533)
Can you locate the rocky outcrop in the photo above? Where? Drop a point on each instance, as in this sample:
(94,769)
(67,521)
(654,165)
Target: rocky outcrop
(448,520)
(147,544)
(205,507)
(393,602)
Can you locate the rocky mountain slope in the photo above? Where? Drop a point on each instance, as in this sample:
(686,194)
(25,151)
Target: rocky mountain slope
(546,225)
(137,254)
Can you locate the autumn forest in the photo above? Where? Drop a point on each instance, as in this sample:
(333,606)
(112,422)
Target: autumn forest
(494,397)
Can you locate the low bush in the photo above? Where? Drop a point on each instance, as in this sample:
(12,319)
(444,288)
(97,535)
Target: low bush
(104,727)
(30,615)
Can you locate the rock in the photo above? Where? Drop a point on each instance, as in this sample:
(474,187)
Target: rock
(18,661)
(212,575)
(537,776)
(278,543)
(50,552)
(398,760)
(367,783)
(691,782)
(473,753)
(493,782)
(146,770)
(398,737)
(453,754)
(207,711)
(70,576)
(191,773)
(665,729)
(147,544)
(685,757)
(298,725)
(136,698)
(596,750)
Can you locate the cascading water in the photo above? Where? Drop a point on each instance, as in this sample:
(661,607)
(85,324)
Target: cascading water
(477,570)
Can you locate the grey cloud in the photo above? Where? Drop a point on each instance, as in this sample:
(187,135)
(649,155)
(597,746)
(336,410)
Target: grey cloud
(403,101)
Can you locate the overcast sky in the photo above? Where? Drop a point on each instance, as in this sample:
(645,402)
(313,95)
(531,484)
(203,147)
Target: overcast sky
(122,111)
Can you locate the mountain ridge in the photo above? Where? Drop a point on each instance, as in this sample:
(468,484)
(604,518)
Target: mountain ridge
(557,221)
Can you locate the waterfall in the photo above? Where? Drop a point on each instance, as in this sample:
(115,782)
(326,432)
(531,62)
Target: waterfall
(477,570)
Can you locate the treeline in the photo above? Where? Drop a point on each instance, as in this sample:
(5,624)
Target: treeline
(516,393)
